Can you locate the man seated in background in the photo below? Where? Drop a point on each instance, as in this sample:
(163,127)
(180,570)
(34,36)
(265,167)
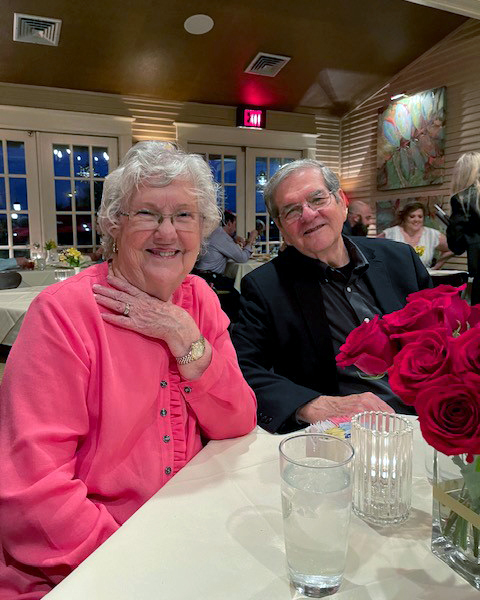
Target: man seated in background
(14,263)
(297,310)
(359,217)
(220,248)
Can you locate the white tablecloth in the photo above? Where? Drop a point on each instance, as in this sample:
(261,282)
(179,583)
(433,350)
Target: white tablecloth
(238,270)
(215,533)
(13,306)
(36,278)
(444,272)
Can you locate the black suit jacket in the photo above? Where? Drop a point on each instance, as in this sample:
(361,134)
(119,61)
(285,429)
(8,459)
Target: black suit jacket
(282,337)
(463,234)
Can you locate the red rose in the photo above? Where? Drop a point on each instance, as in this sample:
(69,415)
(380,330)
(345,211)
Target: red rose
(449,414)
(466,352)
(436,292)
(368,347)
(474,316)
(419,363)
(447,311)
(416,315)
(455,312)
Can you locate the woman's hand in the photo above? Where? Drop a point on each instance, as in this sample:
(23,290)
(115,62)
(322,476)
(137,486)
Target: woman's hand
(138,311)
(446,253)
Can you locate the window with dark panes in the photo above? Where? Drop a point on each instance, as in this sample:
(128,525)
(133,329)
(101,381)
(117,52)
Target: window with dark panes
(79,172)
(14,208)
(265,168)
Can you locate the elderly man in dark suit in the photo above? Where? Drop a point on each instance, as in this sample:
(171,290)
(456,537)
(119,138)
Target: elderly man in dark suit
(297,310)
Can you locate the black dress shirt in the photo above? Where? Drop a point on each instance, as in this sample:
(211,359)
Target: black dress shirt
(348,303)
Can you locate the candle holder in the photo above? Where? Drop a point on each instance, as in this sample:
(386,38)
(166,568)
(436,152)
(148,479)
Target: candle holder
(382,480)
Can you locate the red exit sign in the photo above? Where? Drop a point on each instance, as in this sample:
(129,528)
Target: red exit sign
(249,116)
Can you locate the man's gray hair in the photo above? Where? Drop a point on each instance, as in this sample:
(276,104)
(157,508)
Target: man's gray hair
(331,180)
(156,164)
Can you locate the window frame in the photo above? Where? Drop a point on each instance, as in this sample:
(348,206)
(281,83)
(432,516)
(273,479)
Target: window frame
(32,122)
(31,175)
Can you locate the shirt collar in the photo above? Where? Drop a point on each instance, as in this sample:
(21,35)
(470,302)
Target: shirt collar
(358,261)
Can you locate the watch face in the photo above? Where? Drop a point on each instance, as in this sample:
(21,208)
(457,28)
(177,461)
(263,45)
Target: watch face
(198,348)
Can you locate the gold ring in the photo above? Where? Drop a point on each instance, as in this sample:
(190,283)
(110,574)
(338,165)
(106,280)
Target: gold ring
(126,310)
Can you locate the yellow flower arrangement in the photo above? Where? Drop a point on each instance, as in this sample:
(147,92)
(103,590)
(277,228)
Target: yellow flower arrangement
(50,245)
(72,256)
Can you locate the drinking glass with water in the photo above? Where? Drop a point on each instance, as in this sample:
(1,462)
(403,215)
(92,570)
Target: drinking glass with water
(316,482)
(61,274)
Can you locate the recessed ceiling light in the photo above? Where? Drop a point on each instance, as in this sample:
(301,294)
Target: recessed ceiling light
(198,24)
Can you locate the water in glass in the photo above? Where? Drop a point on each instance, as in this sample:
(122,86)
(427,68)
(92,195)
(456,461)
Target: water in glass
(316,502)
(61,274)
(316,509)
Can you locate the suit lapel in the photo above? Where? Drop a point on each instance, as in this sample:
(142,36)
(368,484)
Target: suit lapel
(304,273)
(380,283)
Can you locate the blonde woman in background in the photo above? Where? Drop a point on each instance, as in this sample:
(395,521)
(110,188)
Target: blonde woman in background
(463,231)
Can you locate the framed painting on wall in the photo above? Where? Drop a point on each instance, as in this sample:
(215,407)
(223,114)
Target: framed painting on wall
(411,141)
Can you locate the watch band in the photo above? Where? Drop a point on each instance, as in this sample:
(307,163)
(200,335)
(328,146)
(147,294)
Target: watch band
(197,349)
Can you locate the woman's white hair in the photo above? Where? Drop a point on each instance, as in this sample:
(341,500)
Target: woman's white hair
(156,164)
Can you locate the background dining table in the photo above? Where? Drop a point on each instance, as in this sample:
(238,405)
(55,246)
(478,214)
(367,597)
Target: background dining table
(36,277)
(238,270)
(215,532)
(13,307)
(46,276)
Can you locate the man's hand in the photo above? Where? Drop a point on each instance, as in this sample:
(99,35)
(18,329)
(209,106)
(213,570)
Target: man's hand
(252,236)
(239,240)
(325,407)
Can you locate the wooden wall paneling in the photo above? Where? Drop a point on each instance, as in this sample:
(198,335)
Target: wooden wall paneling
(452,63)
(328,142)
(154,119)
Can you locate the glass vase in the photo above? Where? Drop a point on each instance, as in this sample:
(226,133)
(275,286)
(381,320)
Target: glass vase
(456,514)
(52,256)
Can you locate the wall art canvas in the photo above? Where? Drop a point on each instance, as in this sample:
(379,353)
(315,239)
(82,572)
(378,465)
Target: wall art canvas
(411,141)
(387,211)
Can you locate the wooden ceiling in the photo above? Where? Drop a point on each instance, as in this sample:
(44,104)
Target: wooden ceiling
(341,50)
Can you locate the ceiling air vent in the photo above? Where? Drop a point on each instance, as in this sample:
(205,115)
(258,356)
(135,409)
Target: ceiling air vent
(267,64)
(36,30)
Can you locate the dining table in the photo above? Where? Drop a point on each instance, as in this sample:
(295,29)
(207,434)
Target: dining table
(238,270)
(46,276)
(14,304)
(215,532)
(452,277)
(36,277)
(447,273)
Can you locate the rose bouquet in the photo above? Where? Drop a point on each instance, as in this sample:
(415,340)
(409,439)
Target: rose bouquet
(71,256)
(431,352)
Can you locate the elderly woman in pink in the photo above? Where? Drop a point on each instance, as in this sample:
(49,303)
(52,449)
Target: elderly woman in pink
(117,375)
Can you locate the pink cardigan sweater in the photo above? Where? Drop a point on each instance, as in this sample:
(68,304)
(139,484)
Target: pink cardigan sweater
(94,419)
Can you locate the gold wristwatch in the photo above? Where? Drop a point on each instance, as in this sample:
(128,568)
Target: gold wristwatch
(197,350)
